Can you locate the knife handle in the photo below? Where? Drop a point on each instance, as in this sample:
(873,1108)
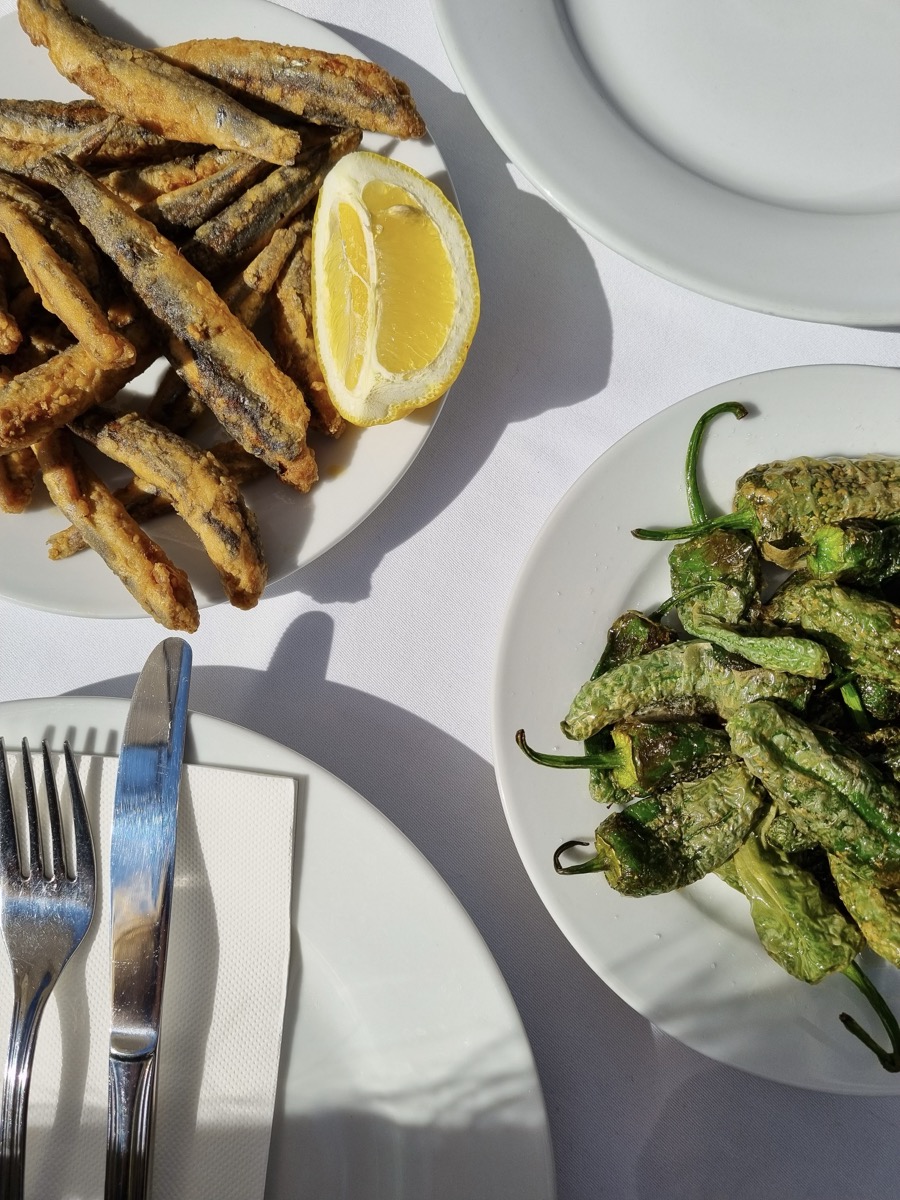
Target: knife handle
(131,1086)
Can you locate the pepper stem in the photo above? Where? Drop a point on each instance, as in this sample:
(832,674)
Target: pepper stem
(608,760)
(696,503)
(729,520)
(890,1060)
(597,863)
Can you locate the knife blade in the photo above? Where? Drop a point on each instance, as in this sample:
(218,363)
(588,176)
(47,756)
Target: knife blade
(142,867)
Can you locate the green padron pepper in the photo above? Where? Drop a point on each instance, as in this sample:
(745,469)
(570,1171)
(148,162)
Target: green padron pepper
(834,796)
(861,632)
(671,839)
(686,679)
(807,934)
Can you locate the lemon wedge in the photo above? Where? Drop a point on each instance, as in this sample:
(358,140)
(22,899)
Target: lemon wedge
(394,289)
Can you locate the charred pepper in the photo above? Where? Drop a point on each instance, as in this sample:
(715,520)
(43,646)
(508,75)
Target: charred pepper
(862,553)
(861,632)
(835,797)
(667,841)
(805,932)
(647,755)
(783,504)
(686,679)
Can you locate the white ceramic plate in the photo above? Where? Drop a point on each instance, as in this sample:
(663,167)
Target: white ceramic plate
(356,472)
(689,961)
(406,1074)
(742,148)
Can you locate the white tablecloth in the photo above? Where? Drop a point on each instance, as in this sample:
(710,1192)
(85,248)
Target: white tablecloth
(377,660)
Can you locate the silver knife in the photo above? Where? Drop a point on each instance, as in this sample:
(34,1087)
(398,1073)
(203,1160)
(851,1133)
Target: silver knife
(142,867)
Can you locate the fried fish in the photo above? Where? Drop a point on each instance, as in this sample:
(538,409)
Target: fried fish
(149,89)
(200,490)
(161,588)
(329,89)
(216,355)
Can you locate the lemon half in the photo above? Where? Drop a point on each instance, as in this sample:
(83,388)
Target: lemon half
(394,289)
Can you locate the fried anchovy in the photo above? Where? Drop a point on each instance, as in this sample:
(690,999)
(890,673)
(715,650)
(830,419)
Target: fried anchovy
(18,471)
(157,584)
(292,334)
(330,89)
(61,290)
(247,293)
(203,494)
(244,227)
(146,88)
(187,207)
(57,391)
(145,503)
(144,183)
(216,355)
(63,234)
(10,333)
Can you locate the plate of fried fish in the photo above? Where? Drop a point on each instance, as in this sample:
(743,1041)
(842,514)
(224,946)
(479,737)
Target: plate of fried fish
(159,168)
(686,950)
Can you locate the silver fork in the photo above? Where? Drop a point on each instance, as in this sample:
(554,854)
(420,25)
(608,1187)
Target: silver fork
(46,908)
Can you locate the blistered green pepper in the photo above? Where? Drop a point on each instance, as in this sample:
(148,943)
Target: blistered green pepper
(668,840)
(861,632)
(805,932)
(630,635)
(783,504)
(861,553)
(715,580)
(875,909)
(835,797)
(686,679)
(647,755)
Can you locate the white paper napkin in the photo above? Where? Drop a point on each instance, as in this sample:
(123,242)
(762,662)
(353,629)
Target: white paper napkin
(223,1006)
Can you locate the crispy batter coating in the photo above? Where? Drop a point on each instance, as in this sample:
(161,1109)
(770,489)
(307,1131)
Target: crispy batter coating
(51,394)
(143,183)
(161,588)
(187,207)
(61,290)
(201,491)
(10,333)
(216,355)
(144,502)
(292,334)
(149,89)
(64,234)
(247,293)
(18,471)
(330,89)
(244,227)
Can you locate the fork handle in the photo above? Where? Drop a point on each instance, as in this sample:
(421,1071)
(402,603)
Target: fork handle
(28,1008)
(131,1087)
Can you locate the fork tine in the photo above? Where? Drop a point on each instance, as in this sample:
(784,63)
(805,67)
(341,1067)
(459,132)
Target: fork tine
(56,863)
(31,817)
(9,847)
(84,846)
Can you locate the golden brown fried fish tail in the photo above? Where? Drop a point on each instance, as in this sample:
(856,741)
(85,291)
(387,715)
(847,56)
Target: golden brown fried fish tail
(156,583)
(329,89)
(141,85)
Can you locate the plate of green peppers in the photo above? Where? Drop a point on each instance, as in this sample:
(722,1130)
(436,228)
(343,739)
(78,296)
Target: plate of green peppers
(697,723)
